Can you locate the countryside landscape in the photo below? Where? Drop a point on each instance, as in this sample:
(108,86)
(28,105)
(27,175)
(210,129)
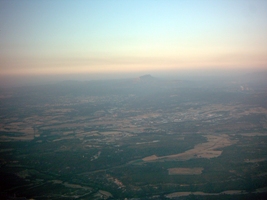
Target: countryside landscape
(138,138)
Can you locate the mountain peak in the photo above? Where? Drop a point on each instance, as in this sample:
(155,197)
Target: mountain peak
(146,77)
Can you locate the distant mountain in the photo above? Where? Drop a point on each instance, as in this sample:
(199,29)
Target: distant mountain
(146,77)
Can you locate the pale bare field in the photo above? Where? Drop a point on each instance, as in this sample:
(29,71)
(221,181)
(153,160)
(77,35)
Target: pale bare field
(27,131)
(230,192)
(253,134)
(103,194)
(150,158)
(256,110)
(185,171)
(145,116)
(110,133)
(254,160)
(100,121)
(149,142)
(6,150)
(204,150)
(64,138)
(70,185)
(5,138)
(59,110)
(180,194)
(76,186)
(67,132)
(132,129)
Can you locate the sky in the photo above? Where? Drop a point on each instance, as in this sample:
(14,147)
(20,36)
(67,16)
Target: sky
(48,37)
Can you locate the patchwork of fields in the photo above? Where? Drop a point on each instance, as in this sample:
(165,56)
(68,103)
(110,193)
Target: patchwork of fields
(142,141)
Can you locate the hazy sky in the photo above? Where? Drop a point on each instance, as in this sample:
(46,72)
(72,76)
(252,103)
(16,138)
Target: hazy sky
(111,36)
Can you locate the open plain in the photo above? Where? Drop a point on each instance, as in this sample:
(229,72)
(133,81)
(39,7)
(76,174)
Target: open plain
(144,140)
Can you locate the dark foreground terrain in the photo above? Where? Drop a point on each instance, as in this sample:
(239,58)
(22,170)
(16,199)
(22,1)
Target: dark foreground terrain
(141,138)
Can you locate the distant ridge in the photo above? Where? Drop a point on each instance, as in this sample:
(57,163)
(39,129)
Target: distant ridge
(146,77)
